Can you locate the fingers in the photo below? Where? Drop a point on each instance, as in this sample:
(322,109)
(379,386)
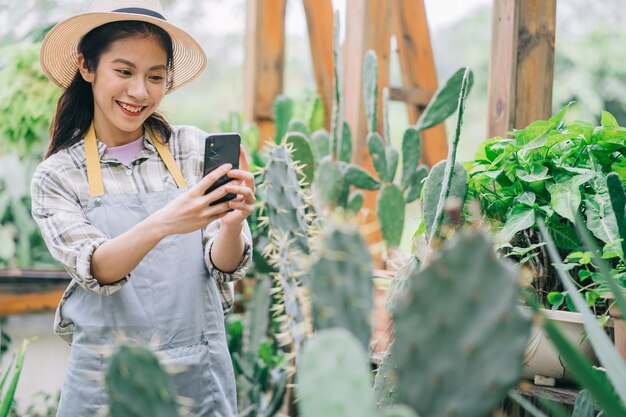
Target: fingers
(245,176)
(209,179)
(244,191)
(243,159)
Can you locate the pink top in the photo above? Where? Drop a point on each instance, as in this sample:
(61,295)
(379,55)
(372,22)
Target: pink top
(126,153)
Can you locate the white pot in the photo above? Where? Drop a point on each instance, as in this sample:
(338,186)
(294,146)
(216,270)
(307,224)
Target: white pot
(542,358)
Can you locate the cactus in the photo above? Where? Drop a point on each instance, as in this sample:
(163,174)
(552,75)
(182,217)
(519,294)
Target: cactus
(283,111)
(386,381)
(284,200)
(433,189)
(341,283)
(468,351)
(390,212)
(618,202)
(393,199)
(334,379)
(299,147)
(300,126)
(320,144)
(137,385)
(449,172)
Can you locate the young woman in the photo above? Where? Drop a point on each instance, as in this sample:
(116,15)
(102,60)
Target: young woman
(120,201)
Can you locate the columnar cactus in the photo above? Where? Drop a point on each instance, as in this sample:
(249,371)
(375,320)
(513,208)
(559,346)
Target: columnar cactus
(341,283)
(138,386)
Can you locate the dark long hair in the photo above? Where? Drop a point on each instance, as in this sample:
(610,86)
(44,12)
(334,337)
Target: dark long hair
(75,110)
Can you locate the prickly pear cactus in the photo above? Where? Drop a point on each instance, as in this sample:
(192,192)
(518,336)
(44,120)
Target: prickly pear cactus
(138,386)
(285,202)
(458,328)
(334,380)
(390,211)
(433,186)
(341,283)
(386,381)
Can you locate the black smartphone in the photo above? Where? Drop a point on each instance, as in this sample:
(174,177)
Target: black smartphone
(220,149)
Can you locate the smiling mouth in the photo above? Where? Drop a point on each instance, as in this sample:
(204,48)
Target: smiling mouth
(130,108)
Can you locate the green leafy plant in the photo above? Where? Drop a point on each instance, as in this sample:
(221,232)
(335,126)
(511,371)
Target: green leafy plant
(552,169)
(13,371)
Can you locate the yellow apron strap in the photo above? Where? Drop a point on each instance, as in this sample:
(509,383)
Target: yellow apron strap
(167,158)
(94,172)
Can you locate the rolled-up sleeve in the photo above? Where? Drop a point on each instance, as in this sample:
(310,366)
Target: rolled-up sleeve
(69,236)
(208,238)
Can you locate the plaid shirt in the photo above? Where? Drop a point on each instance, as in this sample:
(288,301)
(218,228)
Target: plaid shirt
(60,192)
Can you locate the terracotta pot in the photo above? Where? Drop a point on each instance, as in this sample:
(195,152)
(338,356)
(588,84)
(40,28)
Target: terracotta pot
(542,358)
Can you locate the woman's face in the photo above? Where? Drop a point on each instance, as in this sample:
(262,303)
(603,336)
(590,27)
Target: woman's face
(128,86)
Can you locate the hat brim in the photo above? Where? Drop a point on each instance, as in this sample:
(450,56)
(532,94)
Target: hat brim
(59,49)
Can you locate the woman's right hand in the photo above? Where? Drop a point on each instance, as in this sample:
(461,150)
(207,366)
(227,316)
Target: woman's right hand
(191,210)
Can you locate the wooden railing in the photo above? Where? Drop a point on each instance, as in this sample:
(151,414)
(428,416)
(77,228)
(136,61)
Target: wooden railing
(29,291)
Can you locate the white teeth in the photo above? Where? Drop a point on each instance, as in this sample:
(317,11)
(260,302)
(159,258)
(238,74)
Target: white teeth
(129,108)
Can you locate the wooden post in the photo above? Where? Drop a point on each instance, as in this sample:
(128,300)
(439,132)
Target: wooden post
(419,74)
(368,26)
(319,17)
(522,63)
(264,62)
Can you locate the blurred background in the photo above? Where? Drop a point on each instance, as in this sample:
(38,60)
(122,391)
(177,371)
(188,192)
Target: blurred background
(589,69)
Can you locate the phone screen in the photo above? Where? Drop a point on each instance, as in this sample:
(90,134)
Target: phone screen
(219,149)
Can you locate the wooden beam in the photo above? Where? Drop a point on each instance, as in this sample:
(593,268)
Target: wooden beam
(368,26)
(264,62)
(417,97)
(521,70)
(417,65)
(319,17)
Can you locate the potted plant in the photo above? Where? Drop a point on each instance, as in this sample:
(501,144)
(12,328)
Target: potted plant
(555,170)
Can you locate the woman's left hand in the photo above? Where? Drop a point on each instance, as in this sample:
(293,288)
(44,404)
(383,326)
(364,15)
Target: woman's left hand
(243,186)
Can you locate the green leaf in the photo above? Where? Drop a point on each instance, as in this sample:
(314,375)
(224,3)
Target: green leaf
(520,218)
(565,199)
(527,199)
(564,235)
(445,101)
(556,299)
(601,220)
(608,120)
(6,402)
(360,178)
(538,172)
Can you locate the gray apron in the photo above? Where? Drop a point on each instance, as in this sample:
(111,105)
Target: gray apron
(170,303)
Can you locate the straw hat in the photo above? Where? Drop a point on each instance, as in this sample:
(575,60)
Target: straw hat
(59,49)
